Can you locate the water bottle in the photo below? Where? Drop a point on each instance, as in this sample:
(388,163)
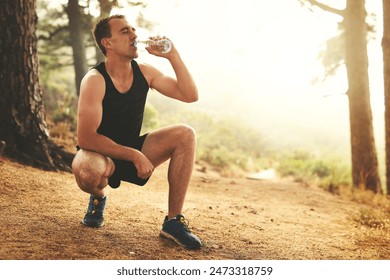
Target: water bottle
(162,45)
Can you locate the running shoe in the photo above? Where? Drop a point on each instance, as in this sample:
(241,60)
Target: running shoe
(94,216)
(177,230)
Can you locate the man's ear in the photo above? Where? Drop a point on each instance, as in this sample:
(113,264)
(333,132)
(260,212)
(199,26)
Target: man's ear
(106,43)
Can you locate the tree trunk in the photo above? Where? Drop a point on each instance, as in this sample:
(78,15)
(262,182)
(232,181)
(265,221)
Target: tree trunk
(105,10)
(364,159)
(22,116)
(386,76)
(77,41)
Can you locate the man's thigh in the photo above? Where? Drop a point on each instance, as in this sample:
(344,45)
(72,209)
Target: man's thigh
(160,144)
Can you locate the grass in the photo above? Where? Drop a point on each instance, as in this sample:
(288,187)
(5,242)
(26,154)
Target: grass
(374,229)
(373,218)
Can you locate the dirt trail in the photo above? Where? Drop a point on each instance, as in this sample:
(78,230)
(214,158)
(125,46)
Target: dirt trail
(237,219)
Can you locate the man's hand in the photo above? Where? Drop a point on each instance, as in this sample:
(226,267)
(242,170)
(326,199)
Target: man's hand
(157,51)
(143,165)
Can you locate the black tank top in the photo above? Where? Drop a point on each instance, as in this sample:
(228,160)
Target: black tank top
(123,112)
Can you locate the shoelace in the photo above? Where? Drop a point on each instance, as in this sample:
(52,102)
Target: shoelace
(97,207)
(185,222)
(95,204)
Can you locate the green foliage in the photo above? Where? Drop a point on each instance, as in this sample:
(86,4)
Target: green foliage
(228,144)
(303,166)
(332,55)
(232,147)
(59,97)
(65,115)
(53,37)
(150,121)
(295,165)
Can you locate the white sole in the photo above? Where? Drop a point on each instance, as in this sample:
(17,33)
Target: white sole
(168,236)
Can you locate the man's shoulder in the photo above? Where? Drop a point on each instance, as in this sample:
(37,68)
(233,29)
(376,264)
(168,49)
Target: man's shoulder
(148,70)
(93,80)
(93,74)
(145,66)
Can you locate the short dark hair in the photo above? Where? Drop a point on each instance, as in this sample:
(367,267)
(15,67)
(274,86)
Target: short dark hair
(102,30)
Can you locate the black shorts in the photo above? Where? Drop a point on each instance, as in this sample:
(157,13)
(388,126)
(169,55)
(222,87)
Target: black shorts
(125,170)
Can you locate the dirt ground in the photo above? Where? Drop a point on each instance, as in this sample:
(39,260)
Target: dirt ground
(237,218)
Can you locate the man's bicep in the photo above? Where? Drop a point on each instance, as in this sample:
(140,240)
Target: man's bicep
(165,85)
(90,105)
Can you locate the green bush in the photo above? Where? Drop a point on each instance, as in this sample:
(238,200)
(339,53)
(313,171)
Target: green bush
(328,173)
(150,121)
(59,96)
(65,115)
(320,169)
(227,144)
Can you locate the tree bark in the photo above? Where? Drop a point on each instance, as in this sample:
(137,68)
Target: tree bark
(105,10)
(22,115)
(386,76)
(77,41)
(364,158)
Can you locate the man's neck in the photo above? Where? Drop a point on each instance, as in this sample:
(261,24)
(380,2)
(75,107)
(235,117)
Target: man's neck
(119,69)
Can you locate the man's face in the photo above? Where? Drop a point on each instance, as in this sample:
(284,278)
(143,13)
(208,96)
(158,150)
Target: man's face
(122,38)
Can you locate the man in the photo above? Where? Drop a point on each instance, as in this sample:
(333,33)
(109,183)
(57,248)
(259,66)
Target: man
(110,112)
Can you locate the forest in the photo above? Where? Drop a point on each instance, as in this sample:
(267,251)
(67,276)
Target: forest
(253,142)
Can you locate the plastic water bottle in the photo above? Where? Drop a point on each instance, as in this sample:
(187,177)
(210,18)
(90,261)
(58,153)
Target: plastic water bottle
(162,45)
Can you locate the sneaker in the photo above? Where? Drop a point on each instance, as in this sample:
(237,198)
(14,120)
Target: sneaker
(177,230)
(94,216)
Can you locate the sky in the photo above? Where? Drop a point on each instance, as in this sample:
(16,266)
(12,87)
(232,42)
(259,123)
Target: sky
(256,59)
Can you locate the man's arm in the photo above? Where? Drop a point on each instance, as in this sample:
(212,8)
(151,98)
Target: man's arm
(90,113)
(183,88)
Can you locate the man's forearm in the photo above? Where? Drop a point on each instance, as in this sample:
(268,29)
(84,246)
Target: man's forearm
(103,145)
(185,82)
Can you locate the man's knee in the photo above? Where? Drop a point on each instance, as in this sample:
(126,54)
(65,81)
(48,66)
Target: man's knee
(187,134)
(91,169)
